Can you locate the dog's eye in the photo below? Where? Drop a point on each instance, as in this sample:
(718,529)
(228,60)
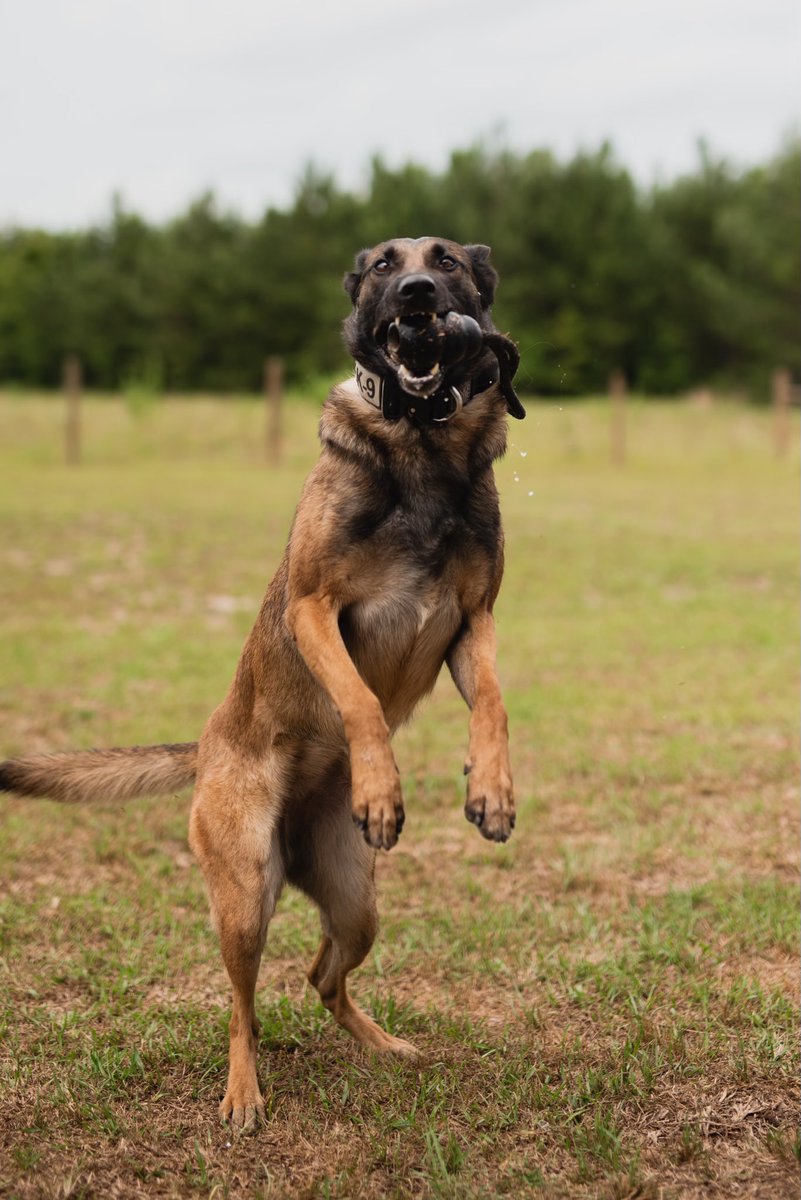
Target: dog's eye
(447,263)
(381,266)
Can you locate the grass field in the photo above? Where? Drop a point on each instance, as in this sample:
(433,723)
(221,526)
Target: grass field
(607,1006)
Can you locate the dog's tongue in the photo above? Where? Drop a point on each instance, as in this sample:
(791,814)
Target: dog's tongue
(421,344)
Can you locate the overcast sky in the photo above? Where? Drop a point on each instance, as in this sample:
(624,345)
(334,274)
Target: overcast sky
(163,99)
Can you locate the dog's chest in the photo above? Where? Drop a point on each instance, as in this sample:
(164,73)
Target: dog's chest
(424,544)
(398,635)
(408,591)
(405,604)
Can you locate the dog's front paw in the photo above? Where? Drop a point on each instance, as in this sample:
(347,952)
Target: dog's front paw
(377,804)
(490,802)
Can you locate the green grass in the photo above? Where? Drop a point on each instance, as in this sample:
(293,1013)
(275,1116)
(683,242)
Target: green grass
(606,1007)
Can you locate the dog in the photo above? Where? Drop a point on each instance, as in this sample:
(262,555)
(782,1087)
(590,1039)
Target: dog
(392,568)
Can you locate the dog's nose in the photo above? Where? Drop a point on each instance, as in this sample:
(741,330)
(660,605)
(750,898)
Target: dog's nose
(417,287)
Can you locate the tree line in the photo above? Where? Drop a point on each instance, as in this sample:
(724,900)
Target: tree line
(693,281)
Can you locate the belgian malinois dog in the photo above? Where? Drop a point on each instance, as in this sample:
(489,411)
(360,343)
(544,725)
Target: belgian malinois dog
(393,565)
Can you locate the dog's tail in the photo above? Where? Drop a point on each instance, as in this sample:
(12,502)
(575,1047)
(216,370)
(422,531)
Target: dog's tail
(119,774)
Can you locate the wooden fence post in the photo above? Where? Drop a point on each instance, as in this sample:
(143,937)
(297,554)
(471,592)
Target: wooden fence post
(781,410)
(72,381)
(273,395)
(617,395)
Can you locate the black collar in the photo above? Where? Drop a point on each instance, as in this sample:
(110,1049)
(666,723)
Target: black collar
(384,393)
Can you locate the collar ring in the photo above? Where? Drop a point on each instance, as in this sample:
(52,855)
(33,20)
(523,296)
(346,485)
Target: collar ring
(458,405)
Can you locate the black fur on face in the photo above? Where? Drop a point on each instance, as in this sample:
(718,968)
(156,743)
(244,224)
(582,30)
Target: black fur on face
(405,276)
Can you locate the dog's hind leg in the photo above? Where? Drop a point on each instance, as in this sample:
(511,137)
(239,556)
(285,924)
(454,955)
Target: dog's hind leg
(336,869)
(235,840)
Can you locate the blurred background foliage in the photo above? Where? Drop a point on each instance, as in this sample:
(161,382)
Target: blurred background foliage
(694,281)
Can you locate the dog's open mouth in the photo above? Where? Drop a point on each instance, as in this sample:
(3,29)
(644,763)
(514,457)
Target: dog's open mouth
(419,344)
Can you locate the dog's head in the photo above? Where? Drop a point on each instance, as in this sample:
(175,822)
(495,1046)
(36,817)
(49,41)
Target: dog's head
(421,311)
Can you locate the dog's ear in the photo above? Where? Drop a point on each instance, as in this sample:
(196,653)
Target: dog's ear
(484,273)
(353,279)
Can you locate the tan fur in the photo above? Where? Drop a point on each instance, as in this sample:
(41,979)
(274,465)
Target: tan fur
(295,775)
(108,775)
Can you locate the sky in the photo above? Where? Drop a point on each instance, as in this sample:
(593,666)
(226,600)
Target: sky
(161,100)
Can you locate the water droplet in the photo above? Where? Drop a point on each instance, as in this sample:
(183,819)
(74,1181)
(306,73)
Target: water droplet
(516,477)
(523,453)
(531,493)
